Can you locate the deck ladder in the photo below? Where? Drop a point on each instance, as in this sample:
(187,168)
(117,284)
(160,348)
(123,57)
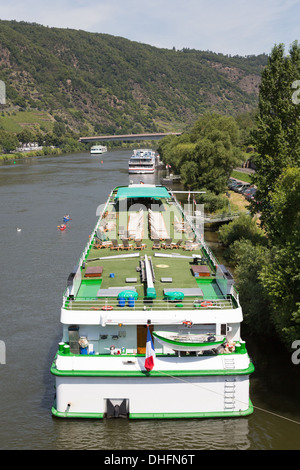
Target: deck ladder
(229,394)
(229,384)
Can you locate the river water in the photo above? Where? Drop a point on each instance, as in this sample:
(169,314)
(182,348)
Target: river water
(35,262)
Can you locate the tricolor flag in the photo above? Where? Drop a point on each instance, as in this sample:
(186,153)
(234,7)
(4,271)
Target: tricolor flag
(150,352)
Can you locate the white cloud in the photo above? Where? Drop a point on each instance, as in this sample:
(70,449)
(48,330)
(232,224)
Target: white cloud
(228,26)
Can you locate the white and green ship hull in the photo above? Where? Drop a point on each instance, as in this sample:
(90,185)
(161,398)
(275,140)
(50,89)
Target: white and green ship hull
(113,299)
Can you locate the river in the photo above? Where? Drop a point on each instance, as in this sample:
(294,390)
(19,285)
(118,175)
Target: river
(35,262)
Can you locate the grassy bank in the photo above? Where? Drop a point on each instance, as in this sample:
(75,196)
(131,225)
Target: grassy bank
(239,175)
(36,153)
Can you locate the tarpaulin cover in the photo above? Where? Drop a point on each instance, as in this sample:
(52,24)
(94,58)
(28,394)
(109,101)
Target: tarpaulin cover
(142,191)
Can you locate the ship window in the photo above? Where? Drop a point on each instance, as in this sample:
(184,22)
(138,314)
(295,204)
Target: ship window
(223,329)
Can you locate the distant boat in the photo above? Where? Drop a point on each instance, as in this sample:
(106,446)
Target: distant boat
(19,229)
(62,227)
(66,218)
(98,149)
(142,161)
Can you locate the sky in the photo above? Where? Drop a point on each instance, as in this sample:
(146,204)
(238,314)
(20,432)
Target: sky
(235,27)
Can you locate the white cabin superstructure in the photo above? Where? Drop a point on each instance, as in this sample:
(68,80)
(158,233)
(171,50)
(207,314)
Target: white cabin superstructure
(98,149)
(142,161)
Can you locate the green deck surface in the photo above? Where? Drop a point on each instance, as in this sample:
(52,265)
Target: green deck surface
(122,268)
(210,288)
(89,288)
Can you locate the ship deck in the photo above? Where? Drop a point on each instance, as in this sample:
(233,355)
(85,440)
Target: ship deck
(175,258)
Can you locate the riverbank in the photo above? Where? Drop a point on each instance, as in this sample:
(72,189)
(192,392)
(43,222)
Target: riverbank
(46,151)
(57,151)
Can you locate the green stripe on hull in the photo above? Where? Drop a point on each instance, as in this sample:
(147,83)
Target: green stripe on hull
(204,414)
(59,414)
(153,373)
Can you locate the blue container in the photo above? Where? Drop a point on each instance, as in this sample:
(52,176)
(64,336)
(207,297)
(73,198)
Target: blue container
(131,301)
(112,275)
(83,350)
(121,302)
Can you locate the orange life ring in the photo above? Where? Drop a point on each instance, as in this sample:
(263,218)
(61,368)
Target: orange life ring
(207,303)
(187,323)
(107,307)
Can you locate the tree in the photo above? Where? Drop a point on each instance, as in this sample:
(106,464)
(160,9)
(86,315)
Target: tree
(250,260)
(59,129)
(8,141)
(277,176)
(277,137)
(281,276)
(281,279)
(26,136)
(206,156)
(283,225)
(242,228)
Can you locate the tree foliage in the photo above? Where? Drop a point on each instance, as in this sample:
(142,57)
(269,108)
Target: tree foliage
(250,259)
(205,156)
(277,136)
(242,228)
(116,84)
(283,225)
(277,176)
(8,141)
(281,276)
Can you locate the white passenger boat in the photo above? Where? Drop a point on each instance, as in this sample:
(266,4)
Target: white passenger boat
(142,161)
(149,328)
(98,149)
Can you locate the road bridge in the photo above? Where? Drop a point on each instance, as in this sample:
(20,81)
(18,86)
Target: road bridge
(127,137)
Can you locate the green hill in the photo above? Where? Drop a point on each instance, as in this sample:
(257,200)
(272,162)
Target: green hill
(98,83)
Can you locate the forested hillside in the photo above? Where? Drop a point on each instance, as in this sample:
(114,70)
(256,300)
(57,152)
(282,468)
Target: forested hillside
(97,83)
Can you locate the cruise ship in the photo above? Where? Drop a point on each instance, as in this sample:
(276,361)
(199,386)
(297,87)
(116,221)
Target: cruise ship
(142,161)
(151,322)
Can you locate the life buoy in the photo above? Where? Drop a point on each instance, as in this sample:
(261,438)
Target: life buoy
(187,323)
(206,303)
(107,307)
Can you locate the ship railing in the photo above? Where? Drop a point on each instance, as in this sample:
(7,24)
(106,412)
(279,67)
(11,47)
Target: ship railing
(88,303)
(197,232)
(73,289)
(235,294)
(100,216)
